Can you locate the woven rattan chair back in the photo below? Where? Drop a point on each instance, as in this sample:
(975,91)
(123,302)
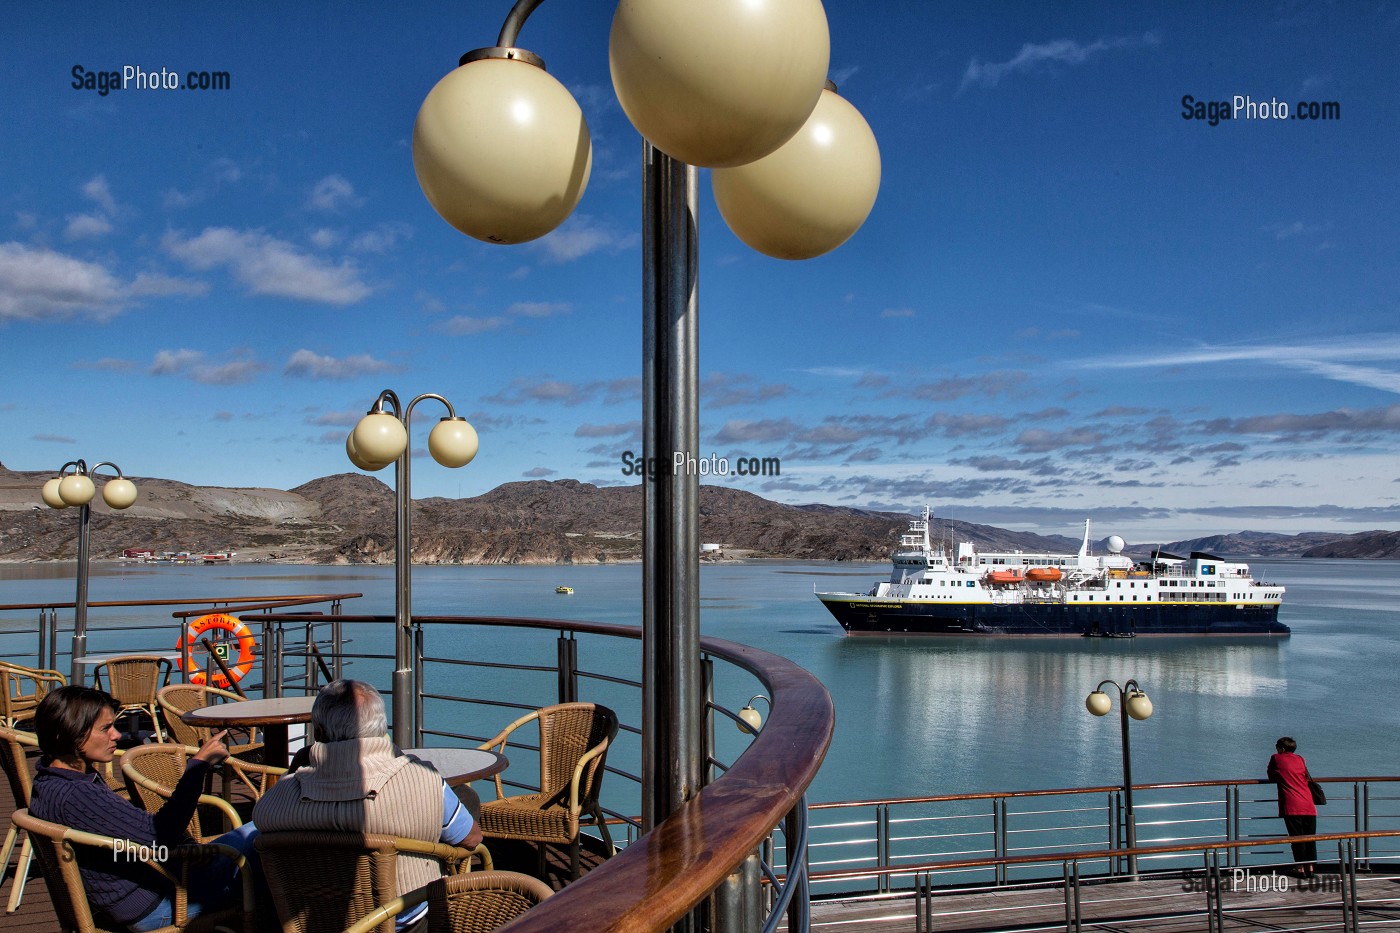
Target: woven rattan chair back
(133,680)
(55,845)
(15,758)
(324,882)
(60,868)
(482,901)
(21,689)
(151,773)
(567,731)
(178,699)
(574,740)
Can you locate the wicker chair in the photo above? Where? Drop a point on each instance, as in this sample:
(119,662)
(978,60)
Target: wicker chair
(475,903)
(151,773)
(15,758)
(244,762)
(55,845)
(21,689)
(574,739)
(322,882)
(133,680)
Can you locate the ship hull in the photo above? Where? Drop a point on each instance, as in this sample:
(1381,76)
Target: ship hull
(891,616)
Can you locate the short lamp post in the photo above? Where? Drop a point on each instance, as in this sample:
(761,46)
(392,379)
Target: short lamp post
(379,439)
(1132,704)
(74,487)
(503,153)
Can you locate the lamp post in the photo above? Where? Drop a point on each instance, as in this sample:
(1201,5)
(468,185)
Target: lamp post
(76,489)
(379,439)
(503,153)
(1132,703)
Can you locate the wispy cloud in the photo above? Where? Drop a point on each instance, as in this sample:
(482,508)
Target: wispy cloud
(196,366)
(608,391)
(1336,360)
(306,364)
(333,193)
(464,325)
(581,235)
(1056,52)
(269,266)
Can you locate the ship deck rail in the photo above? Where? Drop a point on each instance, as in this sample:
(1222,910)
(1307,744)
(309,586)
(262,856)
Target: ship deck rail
(712,855)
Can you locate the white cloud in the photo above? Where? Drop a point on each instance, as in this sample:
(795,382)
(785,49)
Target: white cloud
(82,226)
(462,325)
(39,284)
(195,365)
(310,365)
(382,238)
(333,193)
(538,308)
(581,235)
(97,190)
(269,266)
(1058,51)
(324,238)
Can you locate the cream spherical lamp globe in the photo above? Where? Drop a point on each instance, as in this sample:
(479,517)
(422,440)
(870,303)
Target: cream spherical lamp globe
(76,489)
(452,442)
(119,493)
(1098,703)
(813,193)
(752,717)
(1139,706)
(501,149)
(50,494)
(379,438)
(361,463)
(718,82)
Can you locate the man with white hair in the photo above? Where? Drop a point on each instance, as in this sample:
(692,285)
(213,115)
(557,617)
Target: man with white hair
(355,780)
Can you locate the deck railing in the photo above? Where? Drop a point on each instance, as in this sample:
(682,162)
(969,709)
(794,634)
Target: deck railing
(886,844)
(708,855)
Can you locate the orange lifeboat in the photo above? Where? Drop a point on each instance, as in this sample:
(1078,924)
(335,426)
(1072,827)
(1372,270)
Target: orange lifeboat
(1004,577)
(1043,574)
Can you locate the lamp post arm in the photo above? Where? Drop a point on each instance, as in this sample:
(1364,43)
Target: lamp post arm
(510,30)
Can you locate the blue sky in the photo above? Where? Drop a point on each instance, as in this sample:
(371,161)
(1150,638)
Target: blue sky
(1068,302)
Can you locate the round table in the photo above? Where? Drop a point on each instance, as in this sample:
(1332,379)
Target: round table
(272,716)
(461,765)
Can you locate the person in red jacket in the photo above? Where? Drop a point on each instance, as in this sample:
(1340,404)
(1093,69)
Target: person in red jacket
(1289,771)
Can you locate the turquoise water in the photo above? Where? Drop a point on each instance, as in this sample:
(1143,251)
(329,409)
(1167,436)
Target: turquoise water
(919,715)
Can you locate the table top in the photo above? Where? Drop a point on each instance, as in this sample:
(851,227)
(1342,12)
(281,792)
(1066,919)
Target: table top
(154,655)
(269,712)
(462,765)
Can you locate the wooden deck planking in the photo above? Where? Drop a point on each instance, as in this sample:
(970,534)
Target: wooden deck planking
(1158,905)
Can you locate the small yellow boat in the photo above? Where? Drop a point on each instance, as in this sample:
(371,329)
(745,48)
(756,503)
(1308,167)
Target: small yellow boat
(565,590)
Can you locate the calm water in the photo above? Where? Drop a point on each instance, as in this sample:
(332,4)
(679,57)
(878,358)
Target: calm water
(931,715)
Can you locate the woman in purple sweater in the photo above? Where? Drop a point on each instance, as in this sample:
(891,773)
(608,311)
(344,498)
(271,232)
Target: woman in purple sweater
(76,730)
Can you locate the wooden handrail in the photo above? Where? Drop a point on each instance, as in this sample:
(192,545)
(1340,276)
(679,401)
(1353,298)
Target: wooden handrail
(241,601)
(667,872)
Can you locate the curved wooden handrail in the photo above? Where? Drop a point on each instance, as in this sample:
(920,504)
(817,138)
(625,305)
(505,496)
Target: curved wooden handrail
(241,601)
(667,872)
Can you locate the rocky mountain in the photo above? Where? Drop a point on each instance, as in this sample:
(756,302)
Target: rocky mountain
(349,518)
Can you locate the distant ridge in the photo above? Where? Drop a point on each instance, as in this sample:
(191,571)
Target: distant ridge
(349,518)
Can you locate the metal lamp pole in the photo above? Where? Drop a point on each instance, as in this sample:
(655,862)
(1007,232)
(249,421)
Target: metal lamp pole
(76,489)
(1132,703)
(381,438)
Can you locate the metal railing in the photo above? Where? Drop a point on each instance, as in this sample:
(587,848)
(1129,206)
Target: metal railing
(712,851)
(881,843)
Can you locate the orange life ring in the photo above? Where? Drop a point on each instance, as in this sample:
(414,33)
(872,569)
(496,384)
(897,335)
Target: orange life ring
(217,621)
